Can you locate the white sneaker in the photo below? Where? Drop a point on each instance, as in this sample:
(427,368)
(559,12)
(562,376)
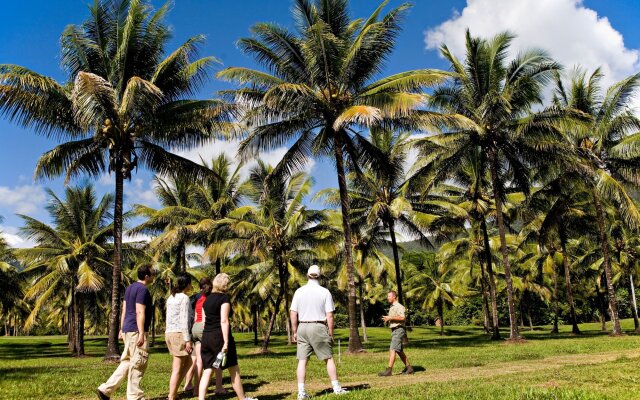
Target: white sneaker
(250,398)
(303,396)
(340,391)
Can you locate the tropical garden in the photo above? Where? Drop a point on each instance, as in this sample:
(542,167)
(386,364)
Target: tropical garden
(499,194)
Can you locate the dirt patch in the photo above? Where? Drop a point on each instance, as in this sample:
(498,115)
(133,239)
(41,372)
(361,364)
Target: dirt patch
(465,373)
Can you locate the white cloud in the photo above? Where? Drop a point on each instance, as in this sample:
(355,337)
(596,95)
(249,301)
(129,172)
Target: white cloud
(140,192)
(25,199)
(128,238)
(571,32)
(230,148)
(10,234)
(106,180)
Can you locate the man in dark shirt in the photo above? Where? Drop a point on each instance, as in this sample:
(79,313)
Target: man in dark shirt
(135,321)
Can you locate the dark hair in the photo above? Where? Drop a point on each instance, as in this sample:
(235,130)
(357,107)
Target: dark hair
(205,286)
(145,270)
(184,280)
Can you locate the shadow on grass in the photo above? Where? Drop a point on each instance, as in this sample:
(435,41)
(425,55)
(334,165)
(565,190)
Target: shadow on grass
(349,388)
(26,373)
(38,348)
(247,383)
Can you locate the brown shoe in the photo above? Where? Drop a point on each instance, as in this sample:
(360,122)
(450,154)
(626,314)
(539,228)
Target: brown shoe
(101,395)
(408,370)
(386,372)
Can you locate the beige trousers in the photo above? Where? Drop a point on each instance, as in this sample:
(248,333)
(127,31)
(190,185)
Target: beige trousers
(133,363)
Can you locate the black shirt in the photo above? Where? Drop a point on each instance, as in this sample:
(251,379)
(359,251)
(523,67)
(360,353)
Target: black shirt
(211,308)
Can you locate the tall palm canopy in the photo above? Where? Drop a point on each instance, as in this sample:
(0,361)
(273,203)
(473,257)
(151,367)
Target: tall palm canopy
(607,151)
(497,97)
(319,91)
(71,256)
(124,104)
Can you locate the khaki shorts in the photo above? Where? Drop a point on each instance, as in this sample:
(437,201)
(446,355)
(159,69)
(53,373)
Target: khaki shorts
(196,331)
(314,338)
(176,344)
(397,337)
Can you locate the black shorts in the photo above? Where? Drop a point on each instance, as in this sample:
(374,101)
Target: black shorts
(212,342)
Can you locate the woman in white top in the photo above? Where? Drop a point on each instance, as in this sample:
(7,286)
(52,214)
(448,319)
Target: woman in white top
(177,334)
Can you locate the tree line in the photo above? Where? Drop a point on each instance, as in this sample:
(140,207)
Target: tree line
(509,188)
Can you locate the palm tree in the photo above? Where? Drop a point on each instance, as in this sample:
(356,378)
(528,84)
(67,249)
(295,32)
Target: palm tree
(123,105)
(319,93)
(608,158)
(10,279)
(626,247)
(174,193)
(378,195)
(279,232)
(71,256)
(432,284)
(496,97)
(450,208)
(557,208)
(373,268)
(191,210)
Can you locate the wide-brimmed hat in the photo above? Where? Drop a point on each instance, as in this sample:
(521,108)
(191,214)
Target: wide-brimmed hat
(314,271)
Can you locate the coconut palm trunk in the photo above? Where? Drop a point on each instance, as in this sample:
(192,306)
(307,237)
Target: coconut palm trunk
(113,351)
(355,345)
(485,301)
(567,277)
(514,334)
(276,308)
(71,324)
(79,325)
(440,308)
(555,298)
(254,314)
(272,321)
(634,305)
(363,323)
(492,282)
(604,243)
(396,260)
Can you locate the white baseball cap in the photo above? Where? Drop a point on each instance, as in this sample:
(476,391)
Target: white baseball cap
(314,271)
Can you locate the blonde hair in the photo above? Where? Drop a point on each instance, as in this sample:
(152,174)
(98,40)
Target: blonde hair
(221,283)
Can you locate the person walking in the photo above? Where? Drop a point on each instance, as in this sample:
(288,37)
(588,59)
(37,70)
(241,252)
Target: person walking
(312,322)
(135,320)
(177,331)
(217,337)
(192,380)
(396,318)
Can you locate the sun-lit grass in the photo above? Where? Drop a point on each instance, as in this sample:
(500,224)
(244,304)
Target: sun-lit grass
(463,364)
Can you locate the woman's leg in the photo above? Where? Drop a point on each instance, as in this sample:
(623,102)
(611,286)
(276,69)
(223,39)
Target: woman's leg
(236,382)
(204,383)
(174,381)
(186,366)
(219,388)
(197,368)
(191,373)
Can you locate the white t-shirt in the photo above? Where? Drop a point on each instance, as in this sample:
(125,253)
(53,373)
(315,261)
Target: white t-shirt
(178,315)
(312,302)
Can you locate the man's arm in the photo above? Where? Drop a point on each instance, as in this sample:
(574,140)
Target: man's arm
(140,309)
(397,318)
(330,323)
(124,310)
(294,324)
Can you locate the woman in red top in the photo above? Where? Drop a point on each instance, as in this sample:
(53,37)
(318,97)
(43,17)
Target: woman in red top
(196,335)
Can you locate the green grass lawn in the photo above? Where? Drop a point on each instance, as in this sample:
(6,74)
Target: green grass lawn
(463,364)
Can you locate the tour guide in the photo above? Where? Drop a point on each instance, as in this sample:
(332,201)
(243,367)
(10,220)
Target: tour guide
(398,333)
(312,305)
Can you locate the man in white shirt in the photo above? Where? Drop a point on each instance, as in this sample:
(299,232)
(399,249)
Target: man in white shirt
(312,320)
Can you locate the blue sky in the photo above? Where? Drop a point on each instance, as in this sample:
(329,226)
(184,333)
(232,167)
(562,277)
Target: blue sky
(593,33)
